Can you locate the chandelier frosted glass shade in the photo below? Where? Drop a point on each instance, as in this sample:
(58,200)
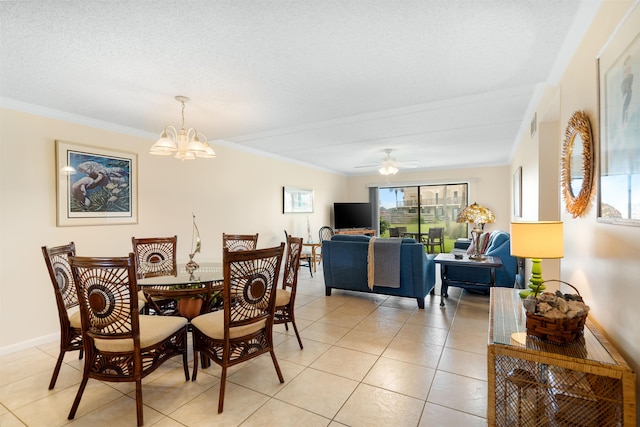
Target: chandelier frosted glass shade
(182,144)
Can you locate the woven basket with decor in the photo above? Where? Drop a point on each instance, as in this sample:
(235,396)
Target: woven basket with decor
(558,331)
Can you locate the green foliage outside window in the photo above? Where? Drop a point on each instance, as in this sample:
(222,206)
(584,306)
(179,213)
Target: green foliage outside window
(384,226)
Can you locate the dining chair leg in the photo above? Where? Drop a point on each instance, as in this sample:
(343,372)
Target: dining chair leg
(295,328)
(223,383)
(56,370)
(76,401)
(139,406)
(275,363)
(185,365)
(195,365)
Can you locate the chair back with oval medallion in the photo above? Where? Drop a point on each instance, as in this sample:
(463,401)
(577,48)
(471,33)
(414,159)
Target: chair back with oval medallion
(120,344)
(286,296)
(56,259)
(243,329)
(240,242)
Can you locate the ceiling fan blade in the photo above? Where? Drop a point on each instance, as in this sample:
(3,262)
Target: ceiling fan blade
(390,161)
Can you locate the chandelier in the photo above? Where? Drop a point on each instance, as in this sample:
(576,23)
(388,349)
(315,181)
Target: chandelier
(182,144)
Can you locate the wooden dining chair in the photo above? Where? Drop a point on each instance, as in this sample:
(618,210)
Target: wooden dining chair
(120,344)
(286,296)
(57,261)
(240,242)
(244,328)
(306,256)
(325,233)
(156,256)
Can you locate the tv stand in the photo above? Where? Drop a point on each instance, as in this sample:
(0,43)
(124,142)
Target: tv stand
(366,232)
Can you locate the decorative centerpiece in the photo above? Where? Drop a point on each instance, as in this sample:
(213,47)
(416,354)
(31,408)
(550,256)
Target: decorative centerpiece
(195,244)
(309,239)
(555,317)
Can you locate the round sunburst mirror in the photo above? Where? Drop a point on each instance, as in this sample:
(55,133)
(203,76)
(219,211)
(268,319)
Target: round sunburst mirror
(577,164)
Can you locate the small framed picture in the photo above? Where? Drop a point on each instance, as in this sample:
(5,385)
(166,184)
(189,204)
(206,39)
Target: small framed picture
(297,200)
(95,186)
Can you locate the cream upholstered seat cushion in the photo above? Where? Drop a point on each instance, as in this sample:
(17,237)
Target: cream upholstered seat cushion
(74,317)
(282,297)
(153,329)
(212,325)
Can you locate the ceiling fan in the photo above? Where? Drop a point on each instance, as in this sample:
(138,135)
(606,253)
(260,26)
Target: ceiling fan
(390,166)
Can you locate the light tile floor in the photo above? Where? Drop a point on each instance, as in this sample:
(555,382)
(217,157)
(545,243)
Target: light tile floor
(368,360)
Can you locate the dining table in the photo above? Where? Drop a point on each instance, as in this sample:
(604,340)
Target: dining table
(206,282)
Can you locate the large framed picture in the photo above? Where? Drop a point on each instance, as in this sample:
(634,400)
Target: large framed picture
(619,97)
(297,200)
(95,186)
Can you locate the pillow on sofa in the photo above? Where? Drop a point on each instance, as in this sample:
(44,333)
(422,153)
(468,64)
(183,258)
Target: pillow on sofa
(484,242)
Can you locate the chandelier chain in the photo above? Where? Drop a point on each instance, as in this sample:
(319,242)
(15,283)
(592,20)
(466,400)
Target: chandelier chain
(182,102)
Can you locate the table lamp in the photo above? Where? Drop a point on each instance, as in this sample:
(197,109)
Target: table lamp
(479,216)
(536,240)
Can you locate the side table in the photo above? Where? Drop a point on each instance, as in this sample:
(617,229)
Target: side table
(315,259)
(447,260)
(534,382)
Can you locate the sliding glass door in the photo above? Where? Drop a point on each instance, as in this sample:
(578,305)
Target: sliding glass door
(410,211)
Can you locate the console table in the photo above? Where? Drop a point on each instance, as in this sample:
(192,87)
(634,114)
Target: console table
(366,232)
(533,382)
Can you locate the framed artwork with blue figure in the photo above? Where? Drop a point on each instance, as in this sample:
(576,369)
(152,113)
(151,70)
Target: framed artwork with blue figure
(619,90)
(95,186)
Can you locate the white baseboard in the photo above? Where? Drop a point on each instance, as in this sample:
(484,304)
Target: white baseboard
(29,343)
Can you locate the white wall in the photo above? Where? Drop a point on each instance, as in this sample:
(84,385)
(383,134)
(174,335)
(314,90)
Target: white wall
(238,192)
(601,260)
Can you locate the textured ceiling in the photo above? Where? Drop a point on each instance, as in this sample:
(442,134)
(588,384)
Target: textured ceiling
(447,83)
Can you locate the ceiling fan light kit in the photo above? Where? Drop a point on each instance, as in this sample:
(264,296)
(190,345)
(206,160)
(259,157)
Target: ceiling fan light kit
(388,170)
(389,165)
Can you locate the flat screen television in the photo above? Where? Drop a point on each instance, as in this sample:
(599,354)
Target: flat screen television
(352,215)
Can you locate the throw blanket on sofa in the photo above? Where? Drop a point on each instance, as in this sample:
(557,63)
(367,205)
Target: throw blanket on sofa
(383,265)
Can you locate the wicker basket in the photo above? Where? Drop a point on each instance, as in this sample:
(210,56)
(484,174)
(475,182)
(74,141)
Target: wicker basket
(558,331)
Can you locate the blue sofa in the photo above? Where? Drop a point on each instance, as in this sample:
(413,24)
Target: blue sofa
(344,260)
(469,277)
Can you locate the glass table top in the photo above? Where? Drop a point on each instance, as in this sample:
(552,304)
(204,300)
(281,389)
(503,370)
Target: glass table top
(207,272)
(508,327)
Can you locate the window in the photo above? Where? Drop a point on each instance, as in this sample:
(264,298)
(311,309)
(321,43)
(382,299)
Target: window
(412,210)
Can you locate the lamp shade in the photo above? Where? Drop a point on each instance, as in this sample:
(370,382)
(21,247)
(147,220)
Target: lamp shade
(476,214)
(541,239)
